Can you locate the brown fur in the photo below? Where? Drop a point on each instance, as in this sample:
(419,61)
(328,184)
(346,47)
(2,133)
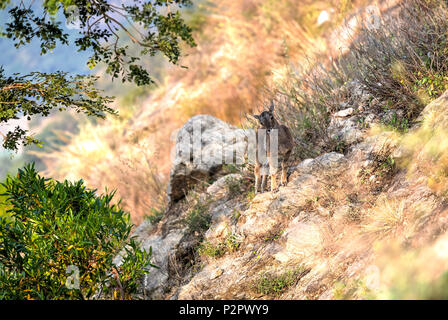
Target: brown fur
(285,145)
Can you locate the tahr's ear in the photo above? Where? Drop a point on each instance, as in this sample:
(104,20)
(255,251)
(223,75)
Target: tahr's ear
(256,116)
(271,108)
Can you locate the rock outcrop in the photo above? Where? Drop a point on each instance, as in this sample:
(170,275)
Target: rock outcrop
(202,145)
(331,227)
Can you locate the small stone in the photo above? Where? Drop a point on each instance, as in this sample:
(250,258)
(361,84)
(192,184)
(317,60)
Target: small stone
(217,273)
(370,117)
(367,163)
(344,113)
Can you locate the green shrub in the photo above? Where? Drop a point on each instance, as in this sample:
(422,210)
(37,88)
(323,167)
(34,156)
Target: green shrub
(305,104)
(404,61)
(397,123)
(208,249)
(234,186)
(54,226)
(198,219)
(230,244)
(155,216)
(354,289)
(277,284)
(3,201)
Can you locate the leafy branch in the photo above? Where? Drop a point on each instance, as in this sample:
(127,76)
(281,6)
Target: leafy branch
(153,25)
(40,93)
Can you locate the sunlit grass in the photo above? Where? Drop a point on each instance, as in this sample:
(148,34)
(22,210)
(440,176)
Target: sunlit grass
(386,218)
(240,43)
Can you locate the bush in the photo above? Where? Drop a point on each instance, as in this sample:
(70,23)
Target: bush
(230,244)
(402,65)
(404,62)
(53,228)
(155,216)
(277,284)
(306,102)
(198,219)
(3,202)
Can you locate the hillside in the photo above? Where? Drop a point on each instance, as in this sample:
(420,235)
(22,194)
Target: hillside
(367,224)
(362,87)
(364,217)
(244,48)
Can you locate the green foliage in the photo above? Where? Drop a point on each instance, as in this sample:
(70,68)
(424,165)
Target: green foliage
(354,289)
(208,249)
(196,16)
(276,285)
(434,84)
(274,236)
(54,225)
(155,216)
(404,62)
(236,214)
(198,219)
(233,242)
(383,167)
(420,289)
(397,123)
(230,244)
(250,195)
(231,168)
(133,268)
(154,26)
(3,202)
(309,101)
(4,3)
(39,93)
(106,29)
(234,186)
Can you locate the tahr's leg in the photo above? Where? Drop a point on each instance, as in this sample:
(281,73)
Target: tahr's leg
(263,182)
(273,173)
(264,175)
(257,177)
(285,166)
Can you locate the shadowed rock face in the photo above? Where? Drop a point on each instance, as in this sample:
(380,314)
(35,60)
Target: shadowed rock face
(202,145)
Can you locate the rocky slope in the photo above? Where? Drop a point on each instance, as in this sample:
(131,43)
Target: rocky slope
(364,224)
(243,48)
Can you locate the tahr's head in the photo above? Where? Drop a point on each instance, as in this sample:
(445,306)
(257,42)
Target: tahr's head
(266,118)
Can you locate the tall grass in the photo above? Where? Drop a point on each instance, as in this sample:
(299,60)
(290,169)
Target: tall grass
(248,53)
(402,63)
(405,59)
(239,44)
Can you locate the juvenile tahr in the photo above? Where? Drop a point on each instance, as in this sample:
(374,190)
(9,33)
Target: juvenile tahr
(281,154)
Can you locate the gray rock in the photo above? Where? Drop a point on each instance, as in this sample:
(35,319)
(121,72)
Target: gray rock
(344,113)
(219,187)
(203,144)
(155,282)
(317,222)
(345,129)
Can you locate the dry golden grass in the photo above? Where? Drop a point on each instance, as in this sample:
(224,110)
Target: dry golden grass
(242,47)
(386,217)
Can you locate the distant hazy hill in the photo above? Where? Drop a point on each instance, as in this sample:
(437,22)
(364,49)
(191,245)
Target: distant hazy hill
(28,58)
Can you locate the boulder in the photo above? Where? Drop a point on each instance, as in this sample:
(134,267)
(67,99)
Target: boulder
(345,128)
(203,145)
(344,113)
